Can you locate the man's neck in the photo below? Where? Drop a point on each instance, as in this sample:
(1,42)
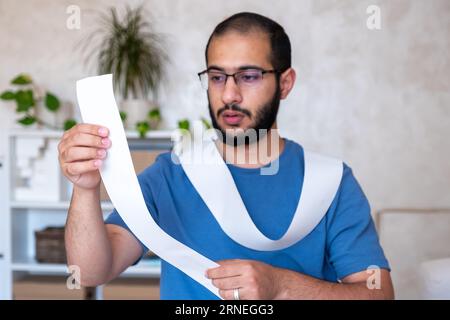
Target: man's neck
(254,155)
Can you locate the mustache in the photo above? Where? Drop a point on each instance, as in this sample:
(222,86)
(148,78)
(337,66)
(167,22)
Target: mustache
(234,107)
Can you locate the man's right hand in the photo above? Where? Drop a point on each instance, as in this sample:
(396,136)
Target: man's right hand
(82,150)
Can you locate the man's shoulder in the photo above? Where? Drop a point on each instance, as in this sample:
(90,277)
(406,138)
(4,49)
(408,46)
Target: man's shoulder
(293,144)
(296,149)
(293,149)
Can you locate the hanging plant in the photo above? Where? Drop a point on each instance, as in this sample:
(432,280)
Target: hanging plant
(26,102)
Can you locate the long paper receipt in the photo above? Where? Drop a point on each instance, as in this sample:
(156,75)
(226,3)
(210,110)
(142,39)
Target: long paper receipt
(98,106)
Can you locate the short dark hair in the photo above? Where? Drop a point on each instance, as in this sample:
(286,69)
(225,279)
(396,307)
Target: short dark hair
(245,22)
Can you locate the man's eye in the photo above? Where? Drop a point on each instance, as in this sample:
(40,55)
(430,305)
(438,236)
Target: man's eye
(216,78)
(250,77)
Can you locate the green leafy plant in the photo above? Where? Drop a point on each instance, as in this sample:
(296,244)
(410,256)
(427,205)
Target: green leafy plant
(26,102)
(69,124)
(142,128)
(154,117)
(184,124)
(152,121)
(123,115)
(131,50)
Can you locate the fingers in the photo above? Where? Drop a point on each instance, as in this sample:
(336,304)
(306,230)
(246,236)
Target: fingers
(83,153)
(253,279)
(75,143)
(77,168)
(86,135)
(227,277)
(92,129)
(223,272)
(229,294)
(88,140)
(228,283)
(227,268)
(234,274)
(82,149)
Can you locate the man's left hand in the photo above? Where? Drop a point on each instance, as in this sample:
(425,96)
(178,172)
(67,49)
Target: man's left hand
(254,279)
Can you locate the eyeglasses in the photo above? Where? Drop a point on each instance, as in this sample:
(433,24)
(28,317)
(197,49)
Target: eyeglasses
(248,78)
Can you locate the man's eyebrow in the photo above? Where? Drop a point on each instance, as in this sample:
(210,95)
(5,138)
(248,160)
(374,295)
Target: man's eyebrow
(215,68)
(245,67)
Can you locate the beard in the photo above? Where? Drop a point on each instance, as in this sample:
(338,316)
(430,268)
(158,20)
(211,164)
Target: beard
(264,117)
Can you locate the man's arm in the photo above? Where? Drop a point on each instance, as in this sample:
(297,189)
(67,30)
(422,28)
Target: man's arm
(257,280)
(294,285)
(101,252)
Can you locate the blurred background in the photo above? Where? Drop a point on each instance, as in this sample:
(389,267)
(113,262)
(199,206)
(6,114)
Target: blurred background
(373,89)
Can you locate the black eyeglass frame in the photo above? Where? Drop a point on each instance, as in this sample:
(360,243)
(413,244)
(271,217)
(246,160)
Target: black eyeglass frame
(263,72)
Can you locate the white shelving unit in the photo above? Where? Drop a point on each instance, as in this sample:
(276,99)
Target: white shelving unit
(60,205)
(148,268)
(20,219)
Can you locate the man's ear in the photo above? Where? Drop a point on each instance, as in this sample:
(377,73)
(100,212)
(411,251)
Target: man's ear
(287,80)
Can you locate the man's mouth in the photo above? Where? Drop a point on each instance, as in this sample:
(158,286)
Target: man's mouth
(232,118)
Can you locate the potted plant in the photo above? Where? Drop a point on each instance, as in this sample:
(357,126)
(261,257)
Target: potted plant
(134,54)
(151,122)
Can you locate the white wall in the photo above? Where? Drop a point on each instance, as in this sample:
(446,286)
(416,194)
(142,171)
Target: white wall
(378,99)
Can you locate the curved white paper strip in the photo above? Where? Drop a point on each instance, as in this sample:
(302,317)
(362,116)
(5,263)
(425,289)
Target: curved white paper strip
(205,167)
(98,106)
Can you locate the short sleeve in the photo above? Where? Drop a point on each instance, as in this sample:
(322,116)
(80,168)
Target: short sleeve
(149,181)
(352,240)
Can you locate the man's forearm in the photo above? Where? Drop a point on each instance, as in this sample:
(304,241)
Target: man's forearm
(86,238)
(295,285)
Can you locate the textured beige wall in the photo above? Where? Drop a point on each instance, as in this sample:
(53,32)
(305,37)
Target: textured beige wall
(378,99)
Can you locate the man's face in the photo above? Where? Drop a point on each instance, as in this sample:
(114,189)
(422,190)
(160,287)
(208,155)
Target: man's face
(236,108)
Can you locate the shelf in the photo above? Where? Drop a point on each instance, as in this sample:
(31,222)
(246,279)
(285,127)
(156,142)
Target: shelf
(61,205)
(23,218)
(45,133)
(154,140)
(146,267)
(157,134)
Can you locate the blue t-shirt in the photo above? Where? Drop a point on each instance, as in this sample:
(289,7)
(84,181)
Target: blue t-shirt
(344,242)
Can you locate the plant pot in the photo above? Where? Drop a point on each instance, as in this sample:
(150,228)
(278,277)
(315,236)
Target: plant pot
(136,110)
(154,123)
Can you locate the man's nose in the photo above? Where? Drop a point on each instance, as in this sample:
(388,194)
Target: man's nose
(231,93)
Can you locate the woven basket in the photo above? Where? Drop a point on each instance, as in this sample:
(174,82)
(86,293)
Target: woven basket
(50,245)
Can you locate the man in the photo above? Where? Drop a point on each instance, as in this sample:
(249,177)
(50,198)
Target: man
(248,72)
